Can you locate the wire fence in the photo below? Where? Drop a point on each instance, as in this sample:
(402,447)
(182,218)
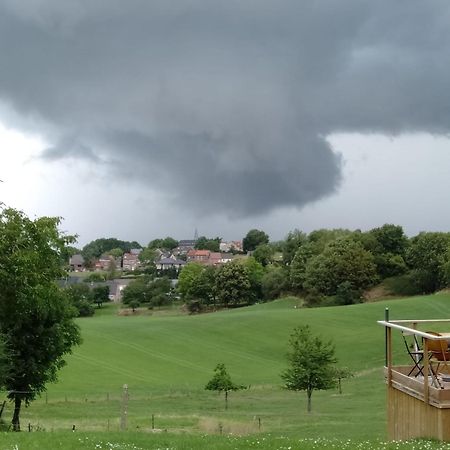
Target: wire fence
(124,410)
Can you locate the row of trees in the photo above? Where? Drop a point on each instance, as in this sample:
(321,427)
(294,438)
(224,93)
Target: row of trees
(342,263)
(237,283)
(326,267)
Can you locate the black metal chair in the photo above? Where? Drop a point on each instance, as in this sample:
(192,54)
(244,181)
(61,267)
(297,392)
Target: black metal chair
(414,351)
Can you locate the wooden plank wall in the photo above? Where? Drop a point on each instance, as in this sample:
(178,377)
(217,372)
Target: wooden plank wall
(409,417)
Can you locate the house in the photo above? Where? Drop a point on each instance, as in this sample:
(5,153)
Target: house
(200,256)
(184,246)
(169,263)
(105,261)
(215,259)
(76,263)
(116,287)
(237,246)
(226,258)
(231,246)
(130,261)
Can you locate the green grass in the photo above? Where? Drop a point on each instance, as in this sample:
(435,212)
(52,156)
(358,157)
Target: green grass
(166,441)
(166,360)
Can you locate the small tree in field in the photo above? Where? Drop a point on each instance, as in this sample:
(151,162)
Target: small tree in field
(221,382)
(342,373)
(311,363)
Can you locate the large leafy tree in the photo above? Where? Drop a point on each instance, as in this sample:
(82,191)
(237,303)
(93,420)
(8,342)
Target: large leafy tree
(297,269)
(188,280)
(264,254)
(293,241)
(36,319)
(311,363)
(254,238)
(342,260)
(428,256)
(233,285)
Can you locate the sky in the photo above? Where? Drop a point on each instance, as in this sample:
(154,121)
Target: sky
(144,119)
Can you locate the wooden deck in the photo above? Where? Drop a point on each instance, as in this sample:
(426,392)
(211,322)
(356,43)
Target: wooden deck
(415,386)
(417,406)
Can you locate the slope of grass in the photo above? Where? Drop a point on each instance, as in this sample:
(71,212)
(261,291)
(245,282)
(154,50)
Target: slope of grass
(166,362)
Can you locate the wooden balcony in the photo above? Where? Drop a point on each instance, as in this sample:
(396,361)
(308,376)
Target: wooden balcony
(418,398)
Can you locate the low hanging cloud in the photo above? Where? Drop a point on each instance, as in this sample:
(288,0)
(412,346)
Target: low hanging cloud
(224,106)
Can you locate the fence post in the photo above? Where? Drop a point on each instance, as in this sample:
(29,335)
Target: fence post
(123,418)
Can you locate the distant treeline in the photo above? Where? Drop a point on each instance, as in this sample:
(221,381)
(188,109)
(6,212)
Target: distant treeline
(326,267)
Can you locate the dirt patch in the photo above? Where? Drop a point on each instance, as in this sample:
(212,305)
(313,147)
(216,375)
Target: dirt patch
(379,292)
(136,312)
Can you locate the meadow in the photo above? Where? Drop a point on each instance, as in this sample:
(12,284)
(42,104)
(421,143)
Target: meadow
(166,358)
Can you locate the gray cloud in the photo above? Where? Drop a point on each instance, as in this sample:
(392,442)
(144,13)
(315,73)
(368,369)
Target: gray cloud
(224,105)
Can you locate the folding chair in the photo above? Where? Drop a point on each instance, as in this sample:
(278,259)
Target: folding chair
(414,352)
(439,353)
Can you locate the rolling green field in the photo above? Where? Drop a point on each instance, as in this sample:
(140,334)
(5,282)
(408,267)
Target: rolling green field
(166,360)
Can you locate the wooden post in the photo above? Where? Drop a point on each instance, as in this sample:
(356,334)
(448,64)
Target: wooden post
(426,391)
(386,319)
(123,418)
(389,355)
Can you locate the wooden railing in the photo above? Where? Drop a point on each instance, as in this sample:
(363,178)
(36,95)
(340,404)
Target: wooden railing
(412,330)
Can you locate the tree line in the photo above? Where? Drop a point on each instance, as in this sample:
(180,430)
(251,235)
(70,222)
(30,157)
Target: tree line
(325,267)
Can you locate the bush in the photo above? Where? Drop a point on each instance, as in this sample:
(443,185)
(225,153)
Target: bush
(346,294)
(314,298)
(95,277)
(403,285)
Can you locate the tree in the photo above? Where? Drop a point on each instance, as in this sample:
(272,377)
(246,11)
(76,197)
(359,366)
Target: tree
(297,272)
(264,254)
(294,240)
(274,282)
(169,243)
(391,238)
(233,284)
(80,297)
(187,280)
(428,255)
(116,252)
(103,245)
(221,382)
(255,272)
(134,305)
(342,260)
(311,363)
(342,373)
(136,290)
(4,363)
(36,319)
(203,243)
(254,238)
(346,294)
(100,295)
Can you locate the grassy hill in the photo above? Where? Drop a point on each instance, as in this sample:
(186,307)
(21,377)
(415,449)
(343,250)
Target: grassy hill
(167,360)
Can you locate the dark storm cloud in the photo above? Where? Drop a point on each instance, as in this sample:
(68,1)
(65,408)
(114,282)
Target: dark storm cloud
(224,105)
